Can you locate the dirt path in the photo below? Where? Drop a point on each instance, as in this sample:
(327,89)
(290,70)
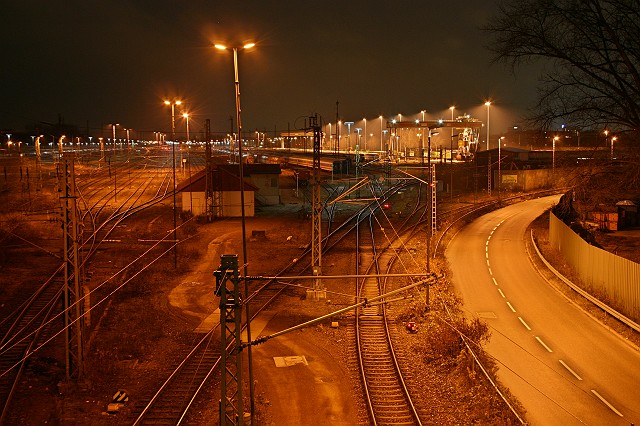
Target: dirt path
(194,295)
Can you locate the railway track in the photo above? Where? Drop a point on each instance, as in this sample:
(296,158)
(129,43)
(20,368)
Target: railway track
(203,360)
(35,322)
(387,397)
(21,331)
(157,410)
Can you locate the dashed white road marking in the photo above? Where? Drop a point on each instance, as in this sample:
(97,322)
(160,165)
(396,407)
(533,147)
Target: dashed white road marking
(524,323)
(543,344)
(502,294)
(570,370)
(494,281)
(601,398)
(511,307)
(490,271)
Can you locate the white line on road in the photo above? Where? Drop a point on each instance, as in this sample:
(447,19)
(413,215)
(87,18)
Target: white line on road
(488,264)
(543,344)
(511,307)
(595,392)
(570,370)
(494,281)
(501,294)
(490,271)
(524,323)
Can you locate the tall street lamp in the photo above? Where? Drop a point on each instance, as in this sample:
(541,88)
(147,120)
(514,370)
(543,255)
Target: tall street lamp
(348,123)
(365,134)
(381,136)
(173,116)
(242,212)
(186,117)
(488,105)
(452,108)
(613,139)
(553,153)
(423,112)
(173,161)
(499,167)
(113,129)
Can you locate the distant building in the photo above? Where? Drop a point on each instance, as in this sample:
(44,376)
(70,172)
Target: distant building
(261,185)
(265,177)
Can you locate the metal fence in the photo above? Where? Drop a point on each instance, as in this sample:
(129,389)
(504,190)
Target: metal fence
(610,277)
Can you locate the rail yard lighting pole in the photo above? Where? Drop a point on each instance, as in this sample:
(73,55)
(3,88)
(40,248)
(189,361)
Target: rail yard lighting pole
(173,161)
(452,108)
(553,154)
(113,129)
(381,136)
(423,112)
(499,167)
(365,135)
(186,117)
(613,139)
(348,123)
(488,105)
(242,212)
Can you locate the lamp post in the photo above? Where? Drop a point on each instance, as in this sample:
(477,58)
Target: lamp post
(384,137)
(423,112)
(242,212)
(186,117)
(365,135)
(173,161)
(613,139)
(113,130)
(381,136)
(488,105)
(348,123)
(553,153)
(452,108)
(499,167)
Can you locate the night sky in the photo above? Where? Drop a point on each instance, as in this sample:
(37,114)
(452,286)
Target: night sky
(99,62)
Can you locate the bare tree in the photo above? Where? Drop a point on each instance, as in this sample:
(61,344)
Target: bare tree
(591,51)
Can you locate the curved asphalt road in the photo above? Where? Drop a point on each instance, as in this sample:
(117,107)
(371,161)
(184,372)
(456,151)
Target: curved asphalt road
(562,365)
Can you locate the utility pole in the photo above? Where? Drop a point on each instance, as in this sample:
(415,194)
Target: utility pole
(228,289)
(316,210)
(73,312)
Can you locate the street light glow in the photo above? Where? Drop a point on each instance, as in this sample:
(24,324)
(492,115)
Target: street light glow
(223,47)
